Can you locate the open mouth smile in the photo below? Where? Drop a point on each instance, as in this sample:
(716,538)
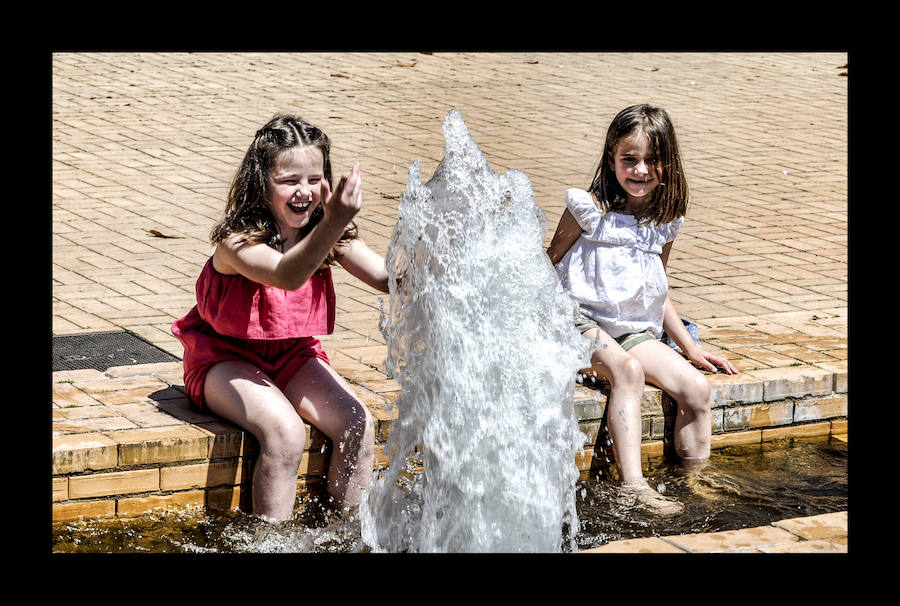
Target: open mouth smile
(300,207)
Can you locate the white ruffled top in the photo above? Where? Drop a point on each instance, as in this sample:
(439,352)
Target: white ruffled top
(614,271)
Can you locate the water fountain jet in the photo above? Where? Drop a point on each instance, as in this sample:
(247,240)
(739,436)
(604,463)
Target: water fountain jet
(481,340)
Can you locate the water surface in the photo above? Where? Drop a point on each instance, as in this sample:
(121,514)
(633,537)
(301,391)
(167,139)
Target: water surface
(743,487)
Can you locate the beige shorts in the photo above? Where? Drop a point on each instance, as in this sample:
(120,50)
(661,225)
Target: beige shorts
(627,341)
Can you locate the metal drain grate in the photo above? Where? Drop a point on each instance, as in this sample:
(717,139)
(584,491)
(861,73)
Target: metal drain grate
(101,350)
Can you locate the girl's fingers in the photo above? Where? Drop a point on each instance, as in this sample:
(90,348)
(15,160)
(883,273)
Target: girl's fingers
(346,199)
(354,187)
(704,360)
(706,364)
(324,192)
(338,190)
(729,367)
(724,364)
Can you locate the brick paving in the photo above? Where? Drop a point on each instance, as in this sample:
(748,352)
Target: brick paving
(150,141)
(824,533)
(145,145)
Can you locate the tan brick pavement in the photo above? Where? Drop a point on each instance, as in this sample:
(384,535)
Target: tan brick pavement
(149,141)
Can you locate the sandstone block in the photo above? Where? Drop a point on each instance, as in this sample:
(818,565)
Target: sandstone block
(642,545)
(732,540)
(135,506)
(823,526)
(113,483)
(820,408)
(811,430)
(161,445)
(66,512)
(736,438)
(205,475)
(76,453)
(726,390)
(794,382)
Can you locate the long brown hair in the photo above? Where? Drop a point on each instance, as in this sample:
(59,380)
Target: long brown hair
(670,199)
(247,209)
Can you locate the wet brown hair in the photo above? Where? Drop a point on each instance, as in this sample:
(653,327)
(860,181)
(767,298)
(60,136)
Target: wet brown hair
(247,208)
(670,198)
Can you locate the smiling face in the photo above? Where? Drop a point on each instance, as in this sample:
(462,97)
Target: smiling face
(294,187)
(637,170)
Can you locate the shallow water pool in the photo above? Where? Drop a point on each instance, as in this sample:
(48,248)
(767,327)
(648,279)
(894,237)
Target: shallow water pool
(742,487)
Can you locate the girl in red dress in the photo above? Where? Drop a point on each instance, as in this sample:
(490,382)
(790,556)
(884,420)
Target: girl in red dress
(250,352)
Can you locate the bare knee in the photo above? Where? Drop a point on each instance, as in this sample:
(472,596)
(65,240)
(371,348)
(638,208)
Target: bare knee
(357,429)
(626,372)
(284,444)
(695,394)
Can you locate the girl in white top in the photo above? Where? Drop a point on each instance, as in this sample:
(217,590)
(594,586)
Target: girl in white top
(610,249)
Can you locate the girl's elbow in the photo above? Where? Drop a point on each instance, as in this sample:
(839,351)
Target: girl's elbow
(379,281)
(381,278)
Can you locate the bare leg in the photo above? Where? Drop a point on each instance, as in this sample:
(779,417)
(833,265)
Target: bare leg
(324,399)
(244,395)
(626,388)
(669,371)
(623,419)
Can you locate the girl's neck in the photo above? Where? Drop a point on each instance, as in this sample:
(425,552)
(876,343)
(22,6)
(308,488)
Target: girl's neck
(287,238)
(634,207)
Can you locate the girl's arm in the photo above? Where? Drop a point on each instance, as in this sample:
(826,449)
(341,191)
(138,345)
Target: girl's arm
(290,270)
(365,264)
(674,327)
(567,232)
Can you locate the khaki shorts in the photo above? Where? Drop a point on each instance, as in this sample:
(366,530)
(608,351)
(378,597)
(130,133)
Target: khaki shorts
(627,341)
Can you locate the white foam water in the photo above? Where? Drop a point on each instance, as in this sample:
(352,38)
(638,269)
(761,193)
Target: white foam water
(481,339)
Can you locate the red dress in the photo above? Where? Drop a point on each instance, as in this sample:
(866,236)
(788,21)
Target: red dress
(238,319)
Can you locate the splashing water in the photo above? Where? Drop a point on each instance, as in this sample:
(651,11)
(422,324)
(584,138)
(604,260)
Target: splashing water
(481,340)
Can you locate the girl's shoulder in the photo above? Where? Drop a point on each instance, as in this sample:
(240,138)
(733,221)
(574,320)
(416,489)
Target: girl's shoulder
(225,254)
(584,209)
(669,230)
(220,258)
(675,223)
(581,197)
(582,205)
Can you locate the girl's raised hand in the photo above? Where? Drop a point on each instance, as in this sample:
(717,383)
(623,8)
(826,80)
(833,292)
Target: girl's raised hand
(342,205)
